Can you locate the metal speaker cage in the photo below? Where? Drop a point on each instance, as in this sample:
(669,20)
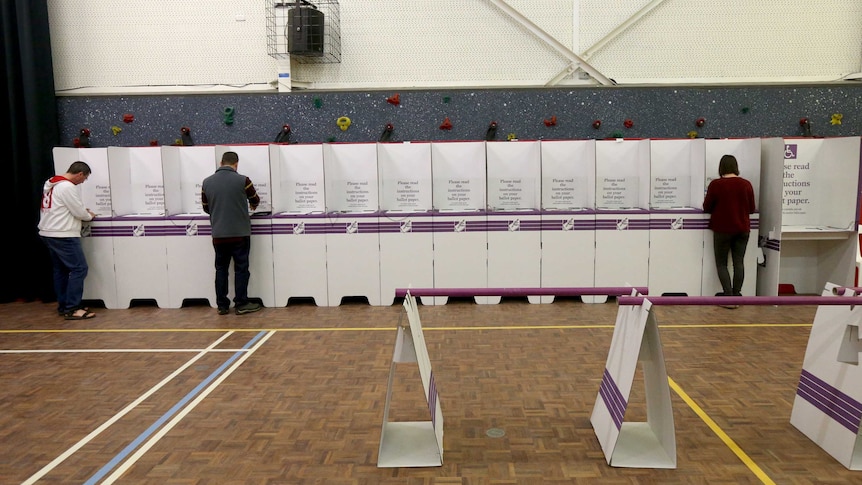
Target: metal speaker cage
(307,31)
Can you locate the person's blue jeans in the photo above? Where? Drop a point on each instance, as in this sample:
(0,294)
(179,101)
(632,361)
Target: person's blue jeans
(238,252)
(70,270)
(735,244)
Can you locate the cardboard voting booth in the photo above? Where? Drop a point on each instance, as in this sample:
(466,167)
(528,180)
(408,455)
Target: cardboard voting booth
(405,224)
(189,245)
(514,222)
(459,198)
(352,202)
(649,444)
(254,163)
(827,407)
(808,214)
(622,218)
(747,153)
(97,239)
(298,223)
(568,236)
(412,443)
(140,226)
(677,222)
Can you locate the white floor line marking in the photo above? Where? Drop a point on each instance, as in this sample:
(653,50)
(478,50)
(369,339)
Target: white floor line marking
(96,351)
(66,454)
(173,422)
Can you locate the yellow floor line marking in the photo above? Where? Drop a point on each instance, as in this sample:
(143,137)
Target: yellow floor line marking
(388,329)
(721,434)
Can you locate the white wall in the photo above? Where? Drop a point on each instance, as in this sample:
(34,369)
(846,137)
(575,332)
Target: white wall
(161,46)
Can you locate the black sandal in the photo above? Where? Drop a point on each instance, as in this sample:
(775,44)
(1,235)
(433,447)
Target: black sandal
(86,316)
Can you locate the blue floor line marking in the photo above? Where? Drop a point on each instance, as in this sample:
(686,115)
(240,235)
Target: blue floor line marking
(171,412)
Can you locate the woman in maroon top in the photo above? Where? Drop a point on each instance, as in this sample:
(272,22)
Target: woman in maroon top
(729,200)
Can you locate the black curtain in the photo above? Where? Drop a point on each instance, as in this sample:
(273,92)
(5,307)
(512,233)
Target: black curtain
(28,133)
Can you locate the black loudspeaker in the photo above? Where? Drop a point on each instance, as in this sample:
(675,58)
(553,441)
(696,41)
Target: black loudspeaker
(305,31)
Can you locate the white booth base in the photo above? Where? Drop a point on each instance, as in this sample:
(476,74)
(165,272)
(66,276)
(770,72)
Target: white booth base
(514,252)
(299,258)
(406,254)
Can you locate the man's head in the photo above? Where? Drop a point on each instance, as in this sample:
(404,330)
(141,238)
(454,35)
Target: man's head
(78,172)
(230,158)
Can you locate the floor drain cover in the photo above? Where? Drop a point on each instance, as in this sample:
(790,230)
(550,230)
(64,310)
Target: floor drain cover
(495,433)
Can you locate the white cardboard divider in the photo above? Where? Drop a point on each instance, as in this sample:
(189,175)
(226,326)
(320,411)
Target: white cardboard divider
(514,175)
(622,174)
(459,171)
(649,444)
(350,170)
(404,176)
(568,174)
(297,178)
(412,443)
(828,403)
(676,171)
(184,169)
(137,181)
(96,192)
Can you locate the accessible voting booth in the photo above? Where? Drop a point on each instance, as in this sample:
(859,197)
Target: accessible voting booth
(809,214)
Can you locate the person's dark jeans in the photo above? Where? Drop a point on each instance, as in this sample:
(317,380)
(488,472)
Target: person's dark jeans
(238,252)
(70,270)
(735,244)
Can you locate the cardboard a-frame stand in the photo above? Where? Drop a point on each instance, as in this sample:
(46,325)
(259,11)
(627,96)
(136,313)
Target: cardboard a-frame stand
(649,444)
(412,443)
(828,403)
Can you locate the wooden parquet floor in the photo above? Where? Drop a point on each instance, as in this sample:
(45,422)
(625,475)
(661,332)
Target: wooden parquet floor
(168,396)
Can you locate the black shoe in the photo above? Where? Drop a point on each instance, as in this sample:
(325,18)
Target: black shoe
(249,307)
(223,311)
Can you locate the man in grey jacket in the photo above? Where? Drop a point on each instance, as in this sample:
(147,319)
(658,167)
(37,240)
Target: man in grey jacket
(226,196)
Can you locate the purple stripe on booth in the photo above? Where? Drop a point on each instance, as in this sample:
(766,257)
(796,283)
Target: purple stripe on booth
(613,399)
(432,401)
(834,403)
(699,224)
(773,244)
(568,225)
(631,225)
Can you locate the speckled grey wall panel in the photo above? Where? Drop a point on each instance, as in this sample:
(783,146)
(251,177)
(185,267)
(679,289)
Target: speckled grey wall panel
(655,112)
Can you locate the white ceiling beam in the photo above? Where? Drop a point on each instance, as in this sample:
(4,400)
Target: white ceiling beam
(621,28)
(551,41)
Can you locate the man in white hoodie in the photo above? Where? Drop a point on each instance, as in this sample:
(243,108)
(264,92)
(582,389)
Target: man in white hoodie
(60,229)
